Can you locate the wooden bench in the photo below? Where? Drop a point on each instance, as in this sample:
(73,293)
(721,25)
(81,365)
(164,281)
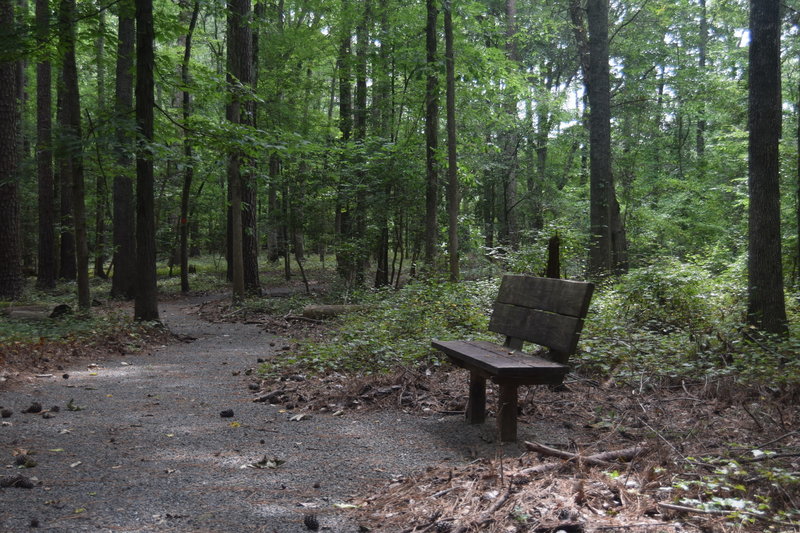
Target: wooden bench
(548,312)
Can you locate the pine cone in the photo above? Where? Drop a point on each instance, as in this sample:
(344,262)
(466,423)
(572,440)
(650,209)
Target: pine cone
(311,522)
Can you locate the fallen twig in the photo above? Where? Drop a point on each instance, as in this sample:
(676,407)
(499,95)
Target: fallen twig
(598,459)
(685,509)
(773,441)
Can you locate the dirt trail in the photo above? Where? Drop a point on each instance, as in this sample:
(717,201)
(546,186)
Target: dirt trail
(148,450)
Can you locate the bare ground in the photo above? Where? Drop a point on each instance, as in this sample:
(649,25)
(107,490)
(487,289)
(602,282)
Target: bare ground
(138,443)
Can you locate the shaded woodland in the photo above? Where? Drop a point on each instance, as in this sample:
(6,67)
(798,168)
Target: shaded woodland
(398,137)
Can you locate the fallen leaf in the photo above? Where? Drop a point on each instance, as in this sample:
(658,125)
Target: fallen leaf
(298,418)
(234,424)
(345,506)
(71,406)
(76,463)
(56,450)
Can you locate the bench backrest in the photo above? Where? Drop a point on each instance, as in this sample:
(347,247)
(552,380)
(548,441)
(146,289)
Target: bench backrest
(545,311)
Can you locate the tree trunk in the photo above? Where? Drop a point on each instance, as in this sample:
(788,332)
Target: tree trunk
(274,250)
(188,171)
(452,161)
(46,272)
(345,254)
(382,101)
(602,257)
(101,187)
(431,135)
(146,304)
(765,302)
(123,284)
(71,130)
(11,280)
(66,263)
(240,64)
(509,231)
(701,119)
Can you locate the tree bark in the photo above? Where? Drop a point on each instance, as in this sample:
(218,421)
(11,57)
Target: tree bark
(383,103)
(11,280)
(188,172)
(452,156)
(607,240)
(240,42)
(66,263)
(765,303)
(123,284)
(146,304)
(46,272)
(71,130)
(509,230)
(101,187)
(431,135)
(701,119)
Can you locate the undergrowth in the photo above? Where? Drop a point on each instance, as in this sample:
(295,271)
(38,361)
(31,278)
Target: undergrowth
(397,327)
(669,322)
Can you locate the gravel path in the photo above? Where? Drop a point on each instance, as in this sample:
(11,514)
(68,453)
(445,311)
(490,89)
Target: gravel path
(149,451)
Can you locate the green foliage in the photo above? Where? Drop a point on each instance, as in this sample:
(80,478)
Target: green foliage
(730,489)
(399,325)
(681,320)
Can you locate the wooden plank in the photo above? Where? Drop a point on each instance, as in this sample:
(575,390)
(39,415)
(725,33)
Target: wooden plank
(564,297)
(558,332)
(500,363)
(476,405)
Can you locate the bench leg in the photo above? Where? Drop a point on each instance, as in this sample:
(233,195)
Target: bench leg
(507,413)
(476,406)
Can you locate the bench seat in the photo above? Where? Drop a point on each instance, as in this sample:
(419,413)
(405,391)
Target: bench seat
(501,364)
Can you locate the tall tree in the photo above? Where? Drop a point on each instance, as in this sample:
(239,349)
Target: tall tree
(600,259)
(344,224)
(123,284)
(452,159)
(146,304)
(101,186)
(383,104)
(188,171)
(11,280)
(46,272)
(249,189)
(701,63)
(431,133)
(765,300)
(607,241)
(67,268)
(509,232)
(240,65)
(72,141)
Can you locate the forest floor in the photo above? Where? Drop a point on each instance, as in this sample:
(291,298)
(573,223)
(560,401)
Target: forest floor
(186,436)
